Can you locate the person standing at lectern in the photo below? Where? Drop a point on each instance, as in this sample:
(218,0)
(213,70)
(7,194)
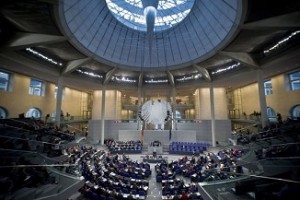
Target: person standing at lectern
(154,152)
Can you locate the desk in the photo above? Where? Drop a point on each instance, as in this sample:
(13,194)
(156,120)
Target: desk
(137,196)
(151,159)
(169,181)
(159,149)
(168,197)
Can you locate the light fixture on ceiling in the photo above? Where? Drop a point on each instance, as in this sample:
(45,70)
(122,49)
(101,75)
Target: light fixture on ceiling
(157,81)
(92,74)
(189,77)
(40,55)
(225,69)
(281,42)
(123,79)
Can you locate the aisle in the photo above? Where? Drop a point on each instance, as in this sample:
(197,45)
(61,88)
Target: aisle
(155,190)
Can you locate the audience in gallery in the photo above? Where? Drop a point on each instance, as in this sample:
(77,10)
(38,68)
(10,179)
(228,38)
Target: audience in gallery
(17,177)
(288,126)
(34,135)
(289,190)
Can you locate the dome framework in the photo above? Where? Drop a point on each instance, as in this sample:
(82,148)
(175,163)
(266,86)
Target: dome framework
(96,29)
(188,55)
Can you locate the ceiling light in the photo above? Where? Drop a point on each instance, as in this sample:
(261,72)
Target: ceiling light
(123,79)
(226,68)
(157,81)
(34,52)
(281,42)
(92,74)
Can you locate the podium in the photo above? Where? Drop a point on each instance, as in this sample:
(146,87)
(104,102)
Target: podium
(155,148)
(159,149)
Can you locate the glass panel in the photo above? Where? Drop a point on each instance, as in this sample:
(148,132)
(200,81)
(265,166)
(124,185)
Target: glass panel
(296,112)
(295,76)
(295,85)
(3,113)
(33,112)
(131,13)
(295,80)
(271,112)
(268,87)
(40,182)
(4,80)
(36,87)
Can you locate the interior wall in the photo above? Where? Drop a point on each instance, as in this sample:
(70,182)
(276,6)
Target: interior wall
(18,100)
(282,99)
(250,99)
(197,104)
(113,109)
(118,105)
(72,102)
(220,101)
(113,129)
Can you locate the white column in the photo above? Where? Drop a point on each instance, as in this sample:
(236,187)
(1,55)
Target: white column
(212,109)
(116,105)
(139,121)
(103,114)
(174,108)
(59,94)
(262,99)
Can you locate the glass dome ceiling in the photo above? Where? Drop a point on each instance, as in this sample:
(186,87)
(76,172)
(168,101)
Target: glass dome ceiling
(186,31)
(131,13)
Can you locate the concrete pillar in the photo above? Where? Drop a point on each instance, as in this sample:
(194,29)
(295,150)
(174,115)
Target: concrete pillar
(212,109)
(262,99)
(103,115)
(140,122)
(174,126)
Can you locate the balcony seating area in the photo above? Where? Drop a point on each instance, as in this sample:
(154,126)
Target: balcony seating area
(29,182)
(270,189)
(17,138)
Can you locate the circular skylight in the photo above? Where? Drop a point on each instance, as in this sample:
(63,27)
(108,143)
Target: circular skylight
(131,13)
(95,30)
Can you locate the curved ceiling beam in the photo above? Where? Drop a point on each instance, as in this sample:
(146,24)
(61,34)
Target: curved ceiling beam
(108,75)
(74,64)
(171,78)
(203,71)
(286,21)
(45,71)
(23,40)
(244,58)
(141,79)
